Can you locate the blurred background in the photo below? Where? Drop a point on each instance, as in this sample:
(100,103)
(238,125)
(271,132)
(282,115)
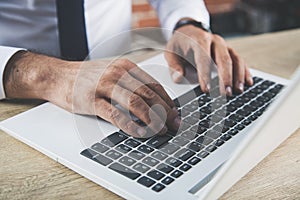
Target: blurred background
(232,18)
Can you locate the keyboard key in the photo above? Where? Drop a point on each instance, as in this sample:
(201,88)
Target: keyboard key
(243,112)
(123,148)
(236,117)
(206,123)
(195,146)
(268,83)
(190,120)
(199,115)
(165,168)
(96,157)
(155,174)
(158,140)
(204,140)
(218,143)
(173,162)
(114,139)
(190,135)
(269,95)
(246,122)
(213,134)
(158,187)
(145,149)
(211,148)
(205,98)
(145,181)
(256,103)
(169,148)
(132,143)
(250,108)
(220,128)
(203,154)
(167,180)
(226,137)
(127,161)
(100,148)
(232,132)
(185,167)
(240,127)
(159,155)
(113,154)
(184,113)
(194,161)
(256,79)
(229,123)
(180,141)
(141,167)
(176,174)
(150,161)
(184,154)
(136,155)
(190,107)
(206,110)
(198,129)
(125,171)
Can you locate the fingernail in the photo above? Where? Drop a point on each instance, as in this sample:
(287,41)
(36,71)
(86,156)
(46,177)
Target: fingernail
(250,80)
(177,122)
(241,87)
(175,110)
(141,131)
(176,76)
(228,91)
(208,87)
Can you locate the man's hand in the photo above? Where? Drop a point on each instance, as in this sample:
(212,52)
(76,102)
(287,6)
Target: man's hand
(199,46)
(94,88)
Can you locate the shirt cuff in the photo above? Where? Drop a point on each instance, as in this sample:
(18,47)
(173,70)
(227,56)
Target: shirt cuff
(5,54)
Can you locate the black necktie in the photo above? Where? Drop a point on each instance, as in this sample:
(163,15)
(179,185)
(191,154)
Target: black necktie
(71,27)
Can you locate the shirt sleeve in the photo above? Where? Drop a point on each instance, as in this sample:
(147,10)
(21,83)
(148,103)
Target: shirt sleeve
(170,12)
(5,54)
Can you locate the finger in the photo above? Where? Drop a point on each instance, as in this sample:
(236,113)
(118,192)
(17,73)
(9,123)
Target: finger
(136,105)
(248,76)
(152,99)
(145,78)
(203,63)
(224,65)
(175,66)
(110,113)
(238,71)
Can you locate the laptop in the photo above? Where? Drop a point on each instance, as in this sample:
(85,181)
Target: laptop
(216,136)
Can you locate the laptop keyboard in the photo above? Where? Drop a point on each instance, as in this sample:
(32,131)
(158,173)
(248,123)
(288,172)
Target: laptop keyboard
(208,121)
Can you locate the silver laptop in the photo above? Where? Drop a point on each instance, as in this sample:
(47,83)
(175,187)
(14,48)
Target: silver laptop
(215,136)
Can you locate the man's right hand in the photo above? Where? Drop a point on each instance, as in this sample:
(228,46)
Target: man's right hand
(94,88)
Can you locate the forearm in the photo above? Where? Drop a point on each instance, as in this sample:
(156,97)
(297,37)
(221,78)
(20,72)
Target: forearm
(30,75)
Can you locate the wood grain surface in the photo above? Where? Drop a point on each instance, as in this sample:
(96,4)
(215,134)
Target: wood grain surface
(27,174)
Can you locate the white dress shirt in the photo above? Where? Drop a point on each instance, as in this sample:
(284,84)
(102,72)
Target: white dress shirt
(32,24)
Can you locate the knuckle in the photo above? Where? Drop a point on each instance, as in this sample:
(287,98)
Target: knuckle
(148,94)
(113,115)
(115,71)
(135,101)
(207,37)
(226,60)
(218,38)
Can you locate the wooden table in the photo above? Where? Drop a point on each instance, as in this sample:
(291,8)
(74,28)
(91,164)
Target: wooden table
(27,174)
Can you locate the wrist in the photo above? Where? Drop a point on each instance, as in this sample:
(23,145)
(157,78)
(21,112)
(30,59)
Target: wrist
(189,21)
(30,75)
